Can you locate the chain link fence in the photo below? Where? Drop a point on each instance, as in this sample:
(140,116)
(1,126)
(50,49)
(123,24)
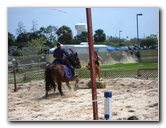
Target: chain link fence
(105,73)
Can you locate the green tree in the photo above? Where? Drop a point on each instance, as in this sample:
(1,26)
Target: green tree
(21,28)
(65,35)
(21,40)
(34,26)
(22,36)
(99,36)
(49,33)
(149,41)
(11,39)
(17,52)
(112,41)
(39,44)
(83,37)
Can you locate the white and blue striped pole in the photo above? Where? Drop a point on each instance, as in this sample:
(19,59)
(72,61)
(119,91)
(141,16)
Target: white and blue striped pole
(107,105)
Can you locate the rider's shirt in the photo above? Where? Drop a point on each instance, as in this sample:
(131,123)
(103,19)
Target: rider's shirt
(59,53)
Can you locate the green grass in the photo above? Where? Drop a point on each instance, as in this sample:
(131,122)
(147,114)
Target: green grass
(129,66)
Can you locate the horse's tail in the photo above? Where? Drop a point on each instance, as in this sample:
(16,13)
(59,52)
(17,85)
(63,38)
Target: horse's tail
(48,73)
(48,79)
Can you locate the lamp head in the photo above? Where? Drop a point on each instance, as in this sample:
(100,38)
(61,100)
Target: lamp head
(139,14)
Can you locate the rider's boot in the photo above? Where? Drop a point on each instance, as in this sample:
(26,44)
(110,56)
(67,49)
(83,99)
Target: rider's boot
(73,73)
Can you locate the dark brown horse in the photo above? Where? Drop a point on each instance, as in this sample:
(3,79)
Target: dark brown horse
(55,74)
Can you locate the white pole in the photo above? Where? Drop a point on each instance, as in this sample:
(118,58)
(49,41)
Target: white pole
(107,105)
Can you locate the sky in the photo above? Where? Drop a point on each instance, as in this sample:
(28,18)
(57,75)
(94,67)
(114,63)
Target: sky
(110,20)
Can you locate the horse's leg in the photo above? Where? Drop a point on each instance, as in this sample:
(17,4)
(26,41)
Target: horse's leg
(47,87)
(76,84)
(60,87)
(53,85)
(68,85)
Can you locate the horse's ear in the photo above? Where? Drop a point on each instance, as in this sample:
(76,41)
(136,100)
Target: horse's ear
(76,54)
(71,51)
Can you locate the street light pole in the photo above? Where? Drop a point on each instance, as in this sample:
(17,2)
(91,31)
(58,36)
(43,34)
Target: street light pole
(119,35)
(137,28)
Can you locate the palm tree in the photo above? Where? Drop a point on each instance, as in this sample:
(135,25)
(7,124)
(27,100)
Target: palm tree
(99,36)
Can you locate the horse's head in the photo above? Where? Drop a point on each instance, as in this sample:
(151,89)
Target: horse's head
(74,60)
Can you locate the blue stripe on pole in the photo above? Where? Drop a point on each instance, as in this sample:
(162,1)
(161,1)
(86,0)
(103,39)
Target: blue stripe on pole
(108,94)
(107,116)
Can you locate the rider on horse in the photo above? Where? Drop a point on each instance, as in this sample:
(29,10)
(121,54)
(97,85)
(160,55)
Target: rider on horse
(61,59)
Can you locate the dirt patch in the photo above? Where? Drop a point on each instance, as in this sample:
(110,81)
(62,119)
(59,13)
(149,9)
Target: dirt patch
(131,97)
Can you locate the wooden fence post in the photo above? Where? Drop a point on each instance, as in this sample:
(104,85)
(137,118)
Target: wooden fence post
(15,85)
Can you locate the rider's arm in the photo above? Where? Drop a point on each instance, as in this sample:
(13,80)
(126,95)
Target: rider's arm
(65,52)
(54,54)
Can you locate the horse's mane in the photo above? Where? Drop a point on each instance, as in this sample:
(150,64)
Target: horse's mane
(71,57)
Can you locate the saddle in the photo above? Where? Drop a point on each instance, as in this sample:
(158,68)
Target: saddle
(69,71)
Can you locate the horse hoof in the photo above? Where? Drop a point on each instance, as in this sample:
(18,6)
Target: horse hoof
(69,88)
(75,89)
(100,79)
(46,95)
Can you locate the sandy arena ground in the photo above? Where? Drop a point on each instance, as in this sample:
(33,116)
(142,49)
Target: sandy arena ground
(131,97)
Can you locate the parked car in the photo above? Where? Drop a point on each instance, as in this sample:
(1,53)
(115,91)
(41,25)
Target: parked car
(145,48)
(137,47)
(153,47)
(123,48)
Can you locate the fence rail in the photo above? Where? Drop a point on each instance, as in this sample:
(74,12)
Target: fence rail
(105,73)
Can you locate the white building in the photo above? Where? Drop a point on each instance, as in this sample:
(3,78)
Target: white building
(82,48)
